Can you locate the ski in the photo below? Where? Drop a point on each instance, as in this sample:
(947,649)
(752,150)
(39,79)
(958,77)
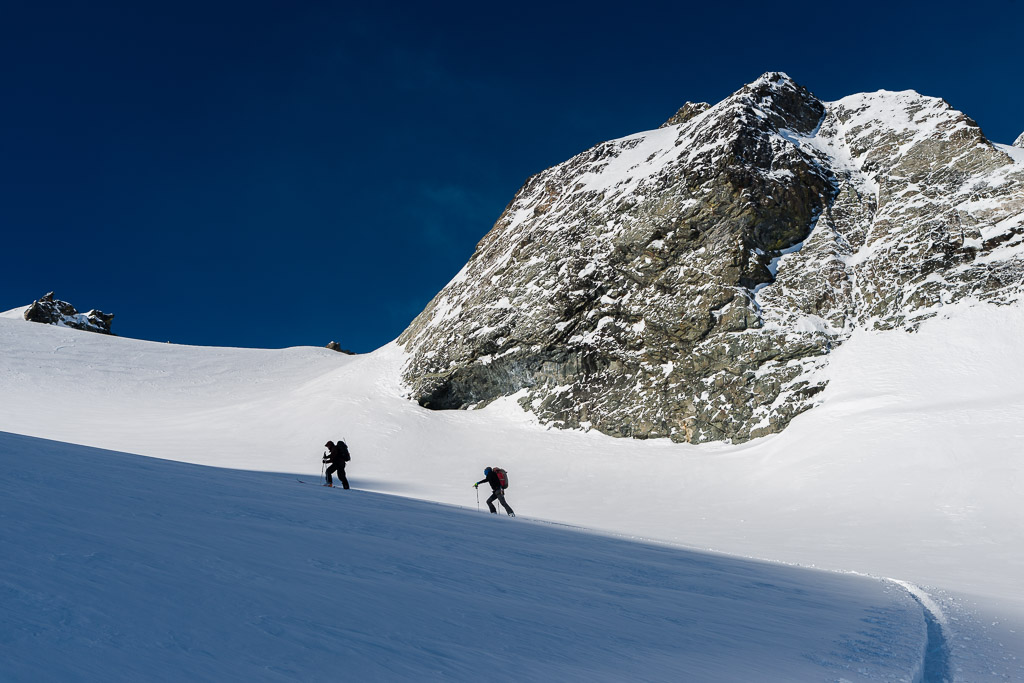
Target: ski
(324,485)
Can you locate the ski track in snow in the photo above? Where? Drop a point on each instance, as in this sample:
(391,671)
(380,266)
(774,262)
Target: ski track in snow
(935,664)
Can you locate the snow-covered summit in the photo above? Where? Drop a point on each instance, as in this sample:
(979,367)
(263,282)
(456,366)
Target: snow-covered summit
(1019,142)
(692,280)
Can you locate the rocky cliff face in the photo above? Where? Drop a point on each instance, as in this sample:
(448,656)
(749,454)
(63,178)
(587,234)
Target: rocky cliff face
(688,282)
(50,311)
(1019,142)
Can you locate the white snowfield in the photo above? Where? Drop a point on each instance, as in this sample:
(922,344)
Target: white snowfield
(144,569)
(910,470)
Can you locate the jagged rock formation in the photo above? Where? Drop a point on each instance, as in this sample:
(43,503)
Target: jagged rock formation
(1019,142)
(335,346)
(685,113)
(688,282)
(52,311)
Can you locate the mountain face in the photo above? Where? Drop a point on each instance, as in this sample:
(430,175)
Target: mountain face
(50,311)
(690,281)
(1019,142)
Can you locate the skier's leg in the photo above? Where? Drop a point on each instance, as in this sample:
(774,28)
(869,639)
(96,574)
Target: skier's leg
(490,503)
(504,503)
(332,468)
(342,477)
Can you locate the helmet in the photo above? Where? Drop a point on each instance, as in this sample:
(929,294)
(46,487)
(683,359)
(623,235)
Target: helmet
(487,471)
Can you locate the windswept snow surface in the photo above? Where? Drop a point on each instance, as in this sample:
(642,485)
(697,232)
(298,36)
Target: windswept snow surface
(911,468)
(117,567)
(15,313)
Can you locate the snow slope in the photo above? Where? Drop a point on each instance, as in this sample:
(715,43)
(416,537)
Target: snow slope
(145,569)
(15,313)
(909,469)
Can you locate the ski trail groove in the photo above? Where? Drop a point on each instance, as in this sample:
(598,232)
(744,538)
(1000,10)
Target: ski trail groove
(936,667)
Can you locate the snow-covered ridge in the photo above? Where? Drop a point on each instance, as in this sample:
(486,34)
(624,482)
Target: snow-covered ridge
(620,170)
(15,313)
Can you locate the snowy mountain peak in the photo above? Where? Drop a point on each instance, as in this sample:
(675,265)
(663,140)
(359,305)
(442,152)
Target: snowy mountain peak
(691,281)
(882,128)
(775,82)
(787,104)
(1019,142)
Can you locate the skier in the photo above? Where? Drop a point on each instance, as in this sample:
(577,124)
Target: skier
(491,477)
(337,455)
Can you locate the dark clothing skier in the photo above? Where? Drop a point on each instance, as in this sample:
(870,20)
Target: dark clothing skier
(497,493)
(337,455)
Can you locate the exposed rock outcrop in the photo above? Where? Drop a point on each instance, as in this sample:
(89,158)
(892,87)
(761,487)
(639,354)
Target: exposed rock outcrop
(688,282)
(50,311)
(685,113)
(335,346)
(1019,142)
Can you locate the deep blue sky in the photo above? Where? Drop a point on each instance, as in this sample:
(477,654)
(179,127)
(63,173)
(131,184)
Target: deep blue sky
(275,174)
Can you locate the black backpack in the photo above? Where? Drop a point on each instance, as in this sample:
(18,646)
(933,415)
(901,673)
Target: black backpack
(342,449)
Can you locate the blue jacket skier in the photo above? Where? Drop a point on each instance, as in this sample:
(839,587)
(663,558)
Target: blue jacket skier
(497,493)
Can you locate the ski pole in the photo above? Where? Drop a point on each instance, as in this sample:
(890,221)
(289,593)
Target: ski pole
(477,498)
